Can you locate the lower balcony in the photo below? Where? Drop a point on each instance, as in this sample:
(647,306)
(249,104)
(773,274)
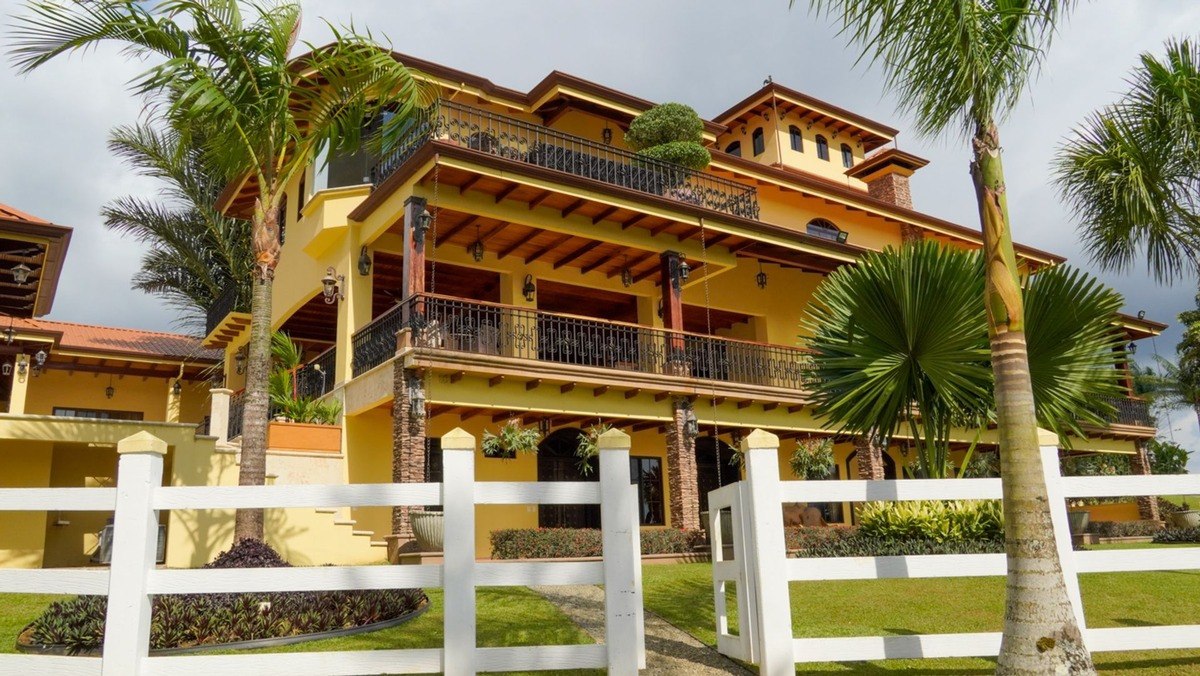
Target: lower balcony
(545,340)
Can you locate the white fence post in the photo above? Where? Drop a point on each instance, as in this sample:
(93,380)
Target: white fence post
(1058,518)
(617,518)
(458,504)
(135,543)
(768,554)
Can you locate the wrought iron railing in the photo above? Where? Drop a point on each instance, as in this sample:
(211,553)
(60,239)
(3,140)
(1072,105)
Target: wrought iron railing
(237,410)
(231,300)
(488,328)
(316,378)
(534,144)
(1131,411)
(375,343)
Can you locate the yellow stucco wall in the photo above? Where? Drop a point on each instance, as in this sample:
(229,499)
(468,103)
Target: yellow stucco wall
(148,396)
(26,464)
(778,149)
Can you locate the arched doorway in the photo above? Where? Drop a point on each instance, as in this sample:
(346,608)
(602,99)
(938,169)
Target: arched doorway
(556,461)
(715,467)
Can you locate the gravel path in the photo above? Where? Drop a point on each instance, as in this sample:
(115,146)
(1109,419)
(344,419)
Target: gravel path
(669,650)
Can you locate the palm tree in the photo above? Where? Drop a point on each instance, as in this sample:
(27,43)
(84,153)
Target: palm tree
(900,341)
(1131,171)
(196,252)
(224,81)
(964,64)
(1175,386)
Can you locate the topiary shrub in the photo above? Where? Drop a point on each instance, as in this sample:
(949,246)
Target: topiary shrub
(937,520)
(671,132)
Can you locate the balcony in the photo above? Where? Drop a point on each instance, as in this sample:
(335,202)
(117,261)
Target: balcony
(514,333)
(227,317)
(1132,412)
(533,144)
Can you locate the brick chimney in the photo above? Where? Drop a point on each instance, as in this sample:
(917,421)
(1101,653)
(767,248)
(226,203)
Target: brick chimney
(886,175)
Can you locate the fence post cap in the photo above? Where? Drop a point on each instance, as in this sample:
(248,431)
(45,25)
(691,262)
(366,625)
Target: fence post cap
(458,439)
(142,442)
(759,439)
(221,390)
(1047,438)
(613,440)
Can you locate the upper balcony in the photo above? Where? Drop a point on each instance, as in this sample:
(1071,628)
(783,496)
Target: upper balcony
(533,144)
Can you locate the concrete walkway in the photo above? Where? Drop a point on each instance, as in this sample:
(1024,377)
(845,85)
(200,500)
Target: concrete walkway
(669,650)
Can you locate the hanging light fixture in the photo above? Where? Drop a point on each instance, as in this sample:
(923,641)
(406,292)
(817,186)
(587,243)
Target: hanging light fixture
(330,285)
(626,274)
(529,289)
(606,135)
(110,391)
(685,270)
(20,273)
(239,361)
(477,247)
(364,261)
(761,277)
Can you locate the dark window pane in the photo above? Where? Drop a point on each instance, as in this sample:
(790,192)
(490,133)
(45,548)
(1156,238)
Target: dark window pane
(646,474)
(822,148)
(797,138)
(760,143)
(734,148)
(847,156)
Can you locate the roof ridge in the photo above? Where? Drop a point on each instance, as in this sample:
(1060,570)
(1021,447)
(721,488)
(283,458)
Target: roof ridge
(117,328)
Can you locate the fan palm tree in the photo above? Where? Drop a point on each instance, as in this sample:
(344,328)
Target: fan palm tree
(900,343)
(195,251)
(222,77)
(1130,172)
(964,65)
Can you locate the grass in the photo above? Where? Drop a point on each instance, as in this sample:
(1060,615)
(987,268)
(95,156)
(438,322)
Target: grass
(508,616)
(683,595)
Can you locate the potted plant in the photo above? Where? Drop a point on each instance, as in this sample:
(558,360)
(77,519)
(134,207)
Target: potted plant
(670,133)
(1078,518)
(1186,517)
(299,423)
(587,448)
(511,440)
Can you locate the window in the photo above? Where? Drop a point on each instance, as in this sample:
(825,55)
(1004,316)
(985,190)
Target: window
(847,156)
(822,148)
(98,414)
(646,474)
(734,148)
(797,138)
(759,142)
(822,228)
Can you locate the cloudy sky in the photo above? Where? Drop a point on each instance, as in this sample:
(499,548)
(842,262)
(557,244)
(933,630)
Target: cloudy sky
(709,54)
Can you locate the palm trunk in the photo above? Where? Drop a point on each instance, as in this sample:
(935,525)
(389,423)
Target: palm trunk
(1041,635)
(248,523)
(1196,408)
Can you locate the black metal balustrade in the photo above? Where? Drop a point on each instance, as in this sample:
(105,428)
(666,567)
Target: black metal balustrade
(231,299)
(316,378)
(487,328)
(1131,411)
(534,144)
(237,410)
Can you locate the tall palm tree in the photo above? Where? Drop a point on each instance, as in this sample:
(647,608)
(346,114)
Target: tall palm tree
(195,252)
(1175,386)
(964,64)
(900,341)
(221,75)
(1131,172)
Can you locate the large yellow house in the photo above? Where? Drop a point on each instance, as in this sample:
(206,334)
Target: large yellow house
(513,260)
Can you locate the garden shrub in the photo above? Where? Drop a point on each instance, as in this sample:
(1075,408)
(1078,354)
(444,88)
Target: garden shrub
(1177,535)
(1123,529)
(859,544)
(182,621)
(804,537)
(936,520)
(571,543)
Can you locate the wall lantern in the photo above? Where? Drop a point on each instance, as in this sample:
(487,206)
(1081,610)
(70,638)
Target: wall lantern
(364,261)
(22,367)
(330,284)
(177,388)
(416,399)
(606,136)
(685,270)
(1131,348)
(477,247)
(761,277)
(1141,314)
(39,362)
(9,334)
(529,290)
(626,275)
(544,426)
(691,426)
(842,236)
(6,369)
(239,360)
(659,309)
(677,269)
(424,220)
(20,273)
(109,391)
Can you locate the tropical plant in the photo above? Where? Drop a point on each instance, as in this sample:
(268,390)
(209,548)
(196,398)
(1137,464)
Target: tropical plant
(512,439)
(671,132)
(964,65)
(937,520)
(1096,464)
(1174,386)
(1167,457)
(286,358)
(195,252)
(813,458)
(222,77)
(587,450)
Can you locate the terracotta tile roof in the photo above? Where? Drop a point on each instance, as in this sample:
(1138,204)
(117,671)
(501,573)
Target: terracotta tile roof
(15,214)
(134,342)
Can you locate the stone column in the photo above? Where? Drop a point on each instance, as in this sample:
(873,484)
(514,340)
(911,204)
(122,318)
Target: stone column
(681,469)
(408,446)
(870,458)
(1140,464)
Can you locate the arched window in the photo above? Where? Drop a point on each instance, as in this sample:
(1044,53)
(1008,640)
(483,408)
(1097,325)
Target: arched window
(847,156)
(819,227)
(758,141)
(822,148)
(734,148)
(797,138)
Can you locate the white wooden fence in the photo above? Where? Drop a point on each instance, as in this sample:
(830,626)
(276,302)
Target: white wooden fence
(761,569)
(133,576)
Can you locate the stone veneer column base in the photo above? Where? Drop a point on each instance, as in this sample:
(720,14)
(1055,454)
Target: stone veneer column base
(681,469)
(870,458)
(1140,464)
(408,451)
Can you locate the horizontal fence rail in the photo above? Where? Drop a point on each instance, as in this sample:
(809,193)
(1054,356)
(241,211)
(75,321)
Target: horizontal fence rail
(760,568)
(534,144)
(133,577)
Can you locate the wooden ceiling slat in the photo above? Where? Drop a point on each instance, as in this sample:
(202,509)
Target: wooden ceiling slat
(454,230)
(503,194)
(604,214)
(521,241)
(574,206)
(548,248)
(634,221)
(537,201)
(577,253)
(632,264)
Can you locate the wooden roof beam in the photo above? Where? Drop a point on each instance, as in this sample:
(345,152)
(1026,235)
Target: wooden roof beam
(547,249)
(577,253)
(604,214)
(522,241)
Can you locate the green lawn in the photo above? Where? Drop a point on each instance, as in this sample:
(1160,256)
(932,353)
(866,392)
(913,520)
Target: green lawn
(683,595)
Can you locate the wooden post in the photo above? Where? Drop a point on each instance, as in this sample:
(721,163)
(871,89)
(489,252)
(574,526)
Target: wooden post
(218,414)
(1058,517)
(135,543)
(413,281)
(458,500)
(617,518)
(768,554)
(672,306)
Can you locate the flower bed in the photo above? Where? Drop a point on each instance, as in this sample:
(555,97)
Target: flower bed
(576,543)
(76,626)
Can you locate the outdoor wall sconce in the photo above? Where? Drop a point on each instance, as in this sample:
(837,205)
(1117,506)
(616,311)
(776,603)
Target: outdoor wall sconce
(20,273)
(1131,348)
(659,309)
(544,426)
(22,367)
(477,248)
(691,426)
(6,369)
(842,236)
(606,136)
(239,361)
(177,388)
(761,277)
(364,261)
(10,333)
(330,284)
(424,221)
(678,269)
(1141,314)
(39,362)
(626,275)
(416,399)
(529,290)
